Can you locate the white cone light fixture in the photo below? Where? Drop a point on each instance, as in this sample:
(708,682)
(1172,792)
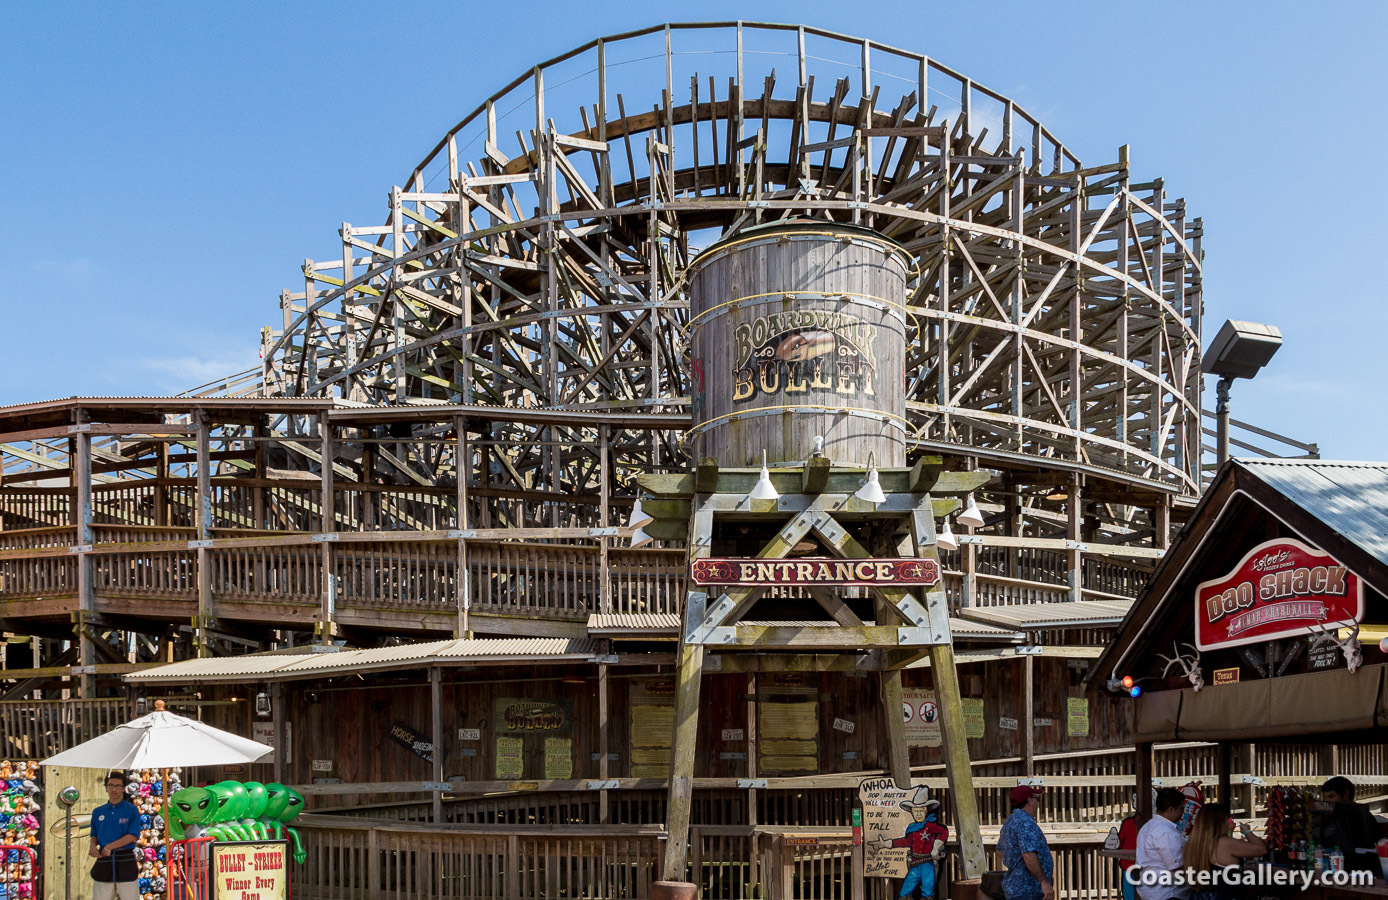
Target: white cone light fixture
(764,489)
(640,538)
(946,538)
(639,516)
(871,491)
(971,515)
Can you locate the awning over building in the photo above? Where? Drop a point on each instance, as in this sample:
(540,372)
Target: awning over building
(1039,616)
(291,666)
(666,627)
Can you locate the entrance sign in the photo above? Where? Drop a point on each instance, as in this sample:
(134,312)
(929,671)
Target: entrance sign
(250,870)
(815,571)
(1279,589)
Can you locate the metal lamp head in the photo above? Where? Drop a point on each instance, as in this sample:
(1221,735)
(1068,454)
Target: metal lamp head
(639,538)
(946,538)
(764,489)
(971,515)
(639,516)
(871,491)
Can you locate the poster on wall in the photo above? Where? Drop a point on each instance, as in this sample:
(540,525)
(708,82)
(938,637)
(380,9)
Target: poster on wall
(249,870)
(922,713)
(901,833)
(1077,716)
(787,724)
(510,758)
(1281,588)
(523,715)
(652,726)
(559,758)
(972,707)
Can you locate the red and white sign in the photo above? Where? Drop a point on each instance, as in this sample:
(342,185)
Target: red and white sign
(869,572)
(1280,589)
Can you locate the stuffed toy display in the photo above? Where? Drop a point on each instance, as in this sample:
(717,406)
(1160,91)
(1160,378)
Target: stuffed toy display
(19,827)
(146,791)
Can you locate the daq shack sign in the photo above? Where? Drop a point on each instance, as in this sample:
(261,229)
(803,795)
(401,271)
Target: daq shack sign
(249,870)
(870,572)
(1280,589)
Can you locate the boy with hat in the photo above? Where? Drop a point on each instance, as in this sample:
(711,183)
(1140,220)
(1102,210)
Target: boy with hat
(1024,850)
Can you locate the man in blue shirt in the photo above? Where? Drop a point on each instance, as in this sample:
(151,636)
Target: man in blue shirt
(115,829)
(1024,850)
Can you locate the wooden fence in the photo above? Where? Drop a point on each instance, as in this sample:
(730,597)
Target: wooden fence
(35,729)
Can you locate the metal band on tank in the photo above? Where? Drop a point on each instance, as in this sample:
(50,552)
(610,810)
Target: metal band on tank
(869,300)
(894,250)
(890,418)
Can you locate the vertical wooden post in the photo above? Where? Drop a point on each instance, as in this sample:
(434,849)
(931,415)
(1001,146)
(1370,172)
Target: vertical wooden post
(1074,521)
(682,756)
(1028,715)
(258,433)
(202,634)
(1224,767)
(462,582)
(958,768)
(277,720)
(161,484)
(327,523)
(898,755)
(604,519)
(1142,768)
(80,456)
(436,735)
(604,814)
(1245,757)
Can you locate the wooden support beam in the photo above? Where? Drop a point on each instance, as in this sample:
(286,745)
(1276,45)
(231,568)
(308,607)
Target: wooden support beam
(958,768)
(203,522)
(705,476)
(436,735)
(814,476)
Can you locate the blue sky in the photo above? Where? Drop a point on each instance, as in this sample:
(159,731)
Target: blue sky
(168,167)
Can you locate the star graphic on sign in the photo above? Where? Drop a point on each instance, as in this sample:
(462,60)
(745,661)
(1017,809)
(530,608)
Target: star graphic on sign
(913,570)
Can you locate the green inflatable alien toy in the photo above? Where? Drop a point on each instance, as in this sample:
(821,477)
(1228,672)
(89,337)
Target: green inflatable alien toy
(232,811)
(283,805)
(190,806)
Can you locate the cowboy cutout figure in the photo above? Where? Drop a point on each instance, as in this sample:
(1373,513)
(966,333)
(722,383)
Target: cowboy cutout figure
(924,841)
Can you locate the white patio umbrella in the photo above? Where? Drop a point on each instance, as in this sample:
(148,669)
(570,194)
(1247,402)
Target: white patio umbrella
(161,740)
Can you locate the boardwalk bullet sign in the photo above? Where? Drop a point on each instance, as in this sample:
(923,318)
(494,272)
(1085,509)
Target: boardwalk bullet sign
(249,870)
(869,572)
(1279,589)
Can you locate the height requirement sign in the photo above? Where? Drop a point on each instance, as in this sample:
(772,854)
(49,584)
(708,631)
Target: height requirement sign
(1279,589)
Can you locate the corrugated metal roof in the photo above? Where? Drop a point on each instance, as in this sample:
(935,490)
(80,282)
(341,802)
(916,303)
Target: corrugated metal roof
(1066,614)
(667,624)
(657,623)
(283,667)
(1349,497)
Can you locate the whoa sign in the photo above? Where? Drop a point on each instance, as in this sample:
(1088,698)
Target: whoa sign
(1281,588)
(815,571)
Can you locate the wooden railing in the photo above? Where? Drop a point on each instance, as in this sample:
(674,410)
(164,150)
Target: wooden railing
(361,861)
(35,729)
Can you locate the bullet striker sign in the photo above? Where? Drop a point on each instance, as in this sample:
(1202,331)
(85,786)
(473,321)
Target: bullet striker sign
(1279,589)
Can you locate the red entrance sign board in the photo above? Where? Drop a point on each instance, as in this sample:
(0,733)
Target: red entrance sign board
(1280,589)
(815,571)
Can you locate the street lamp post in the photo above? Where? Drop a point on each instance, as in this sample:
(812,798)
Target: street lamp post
(1239,350)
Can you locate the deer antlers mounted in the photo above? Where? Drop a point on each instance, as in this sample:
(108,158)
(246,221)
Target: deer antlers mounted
(1190,665)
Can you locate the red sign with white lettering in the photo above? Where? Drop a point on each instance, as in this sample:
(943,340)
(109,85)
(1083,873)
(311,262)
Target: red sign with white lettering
(1279,589)
(889,572)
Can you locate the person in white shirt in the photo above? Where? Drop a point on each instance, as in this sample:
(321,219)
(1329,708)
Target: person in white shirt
(1159,848)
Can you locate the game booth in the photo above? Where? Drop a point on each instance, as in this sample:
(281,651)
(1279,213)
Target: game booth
(1265,626)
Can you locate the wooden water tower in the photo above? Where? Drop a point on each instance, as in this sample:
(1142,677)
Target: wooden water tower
(798,333)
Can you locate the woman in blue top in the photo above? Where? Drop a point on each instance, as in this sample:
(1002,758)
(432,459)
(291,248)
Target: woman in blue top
(115,829)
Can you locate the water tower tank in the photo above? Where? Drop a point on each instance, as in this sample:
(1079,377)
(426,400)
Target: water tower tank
(797,329)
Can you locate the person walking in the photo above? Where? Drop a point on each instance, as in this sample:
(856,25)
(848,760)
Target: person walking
(115,829)
(1160,846)
(1025,853)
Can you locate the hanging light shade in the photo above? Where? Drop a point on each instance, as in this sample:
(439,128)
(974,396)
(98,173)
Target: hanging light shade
(639,516)
(946,538)
(871,491)
(971,515)
(640,538)
(764,489)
